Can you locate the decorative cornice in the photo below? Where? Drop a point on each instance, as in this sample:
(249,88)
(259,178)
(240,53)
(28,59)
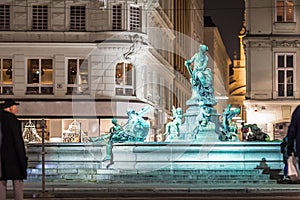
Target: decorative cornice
(285,43)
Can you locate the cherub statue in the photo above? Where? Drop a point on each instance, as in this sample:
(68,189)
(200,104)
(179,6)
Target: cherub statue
(229,127)
(204,122)
(172,128)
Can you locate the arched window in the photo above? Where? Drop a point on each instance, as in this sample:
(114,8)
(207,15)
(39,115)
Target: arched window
(124,79)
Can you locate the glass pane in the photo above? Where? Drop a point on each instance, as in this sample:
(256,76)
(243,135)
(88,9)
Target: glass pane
(290,61)
(290,88)
(70,90)
(47,71)
(280,11)
(72,70)
(128,74)
(7,71)
(83,72)
(289,76)
(280,61)
(128,92)
(281,77)
(289,11)
(47,90)
(7,90)
(33,71)
(119,91)
(281,90)
(119,74)
(32,90)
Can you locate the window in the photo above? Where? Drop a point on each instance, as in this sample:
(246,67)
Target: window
(117,17)
(285,66)
(39,17)
(39,76)
(6,84)
(124,79)
(135,18)
(4,17)
(284,10)
(78,76)
(77,18)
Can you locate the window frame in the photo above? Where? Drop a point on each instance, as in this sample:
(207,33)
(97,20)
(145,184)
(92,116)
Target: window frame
(39,85)
(284,20)
(40,27)
(285,69)
(77,85)
(82,22)
(133,20)
(117,23)
(124,87)
(6,22)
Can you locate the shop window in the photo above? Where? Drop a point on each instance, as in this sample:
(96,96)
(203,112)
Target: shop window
(285,67)
(284,11)
(6,84)
(77,18)
(39,76)
(78,76)
(124,79)
(39,17)
(4,17)
(32,130)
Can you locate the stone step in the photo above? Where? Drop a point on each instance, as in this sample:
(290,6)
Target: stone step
(181,172)
(190,177)
(159,176)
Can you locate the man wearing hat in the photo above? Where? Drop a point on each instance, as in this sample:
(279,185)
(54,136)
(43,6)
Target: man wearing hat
(12,151)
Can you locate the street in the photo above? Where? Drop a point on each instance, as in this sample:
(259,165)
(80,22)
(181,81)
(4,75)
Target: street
(222,195)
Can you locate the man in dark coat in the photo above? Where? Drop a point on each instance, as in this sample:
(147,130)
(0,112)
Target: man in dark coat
(13,154)
(294,133)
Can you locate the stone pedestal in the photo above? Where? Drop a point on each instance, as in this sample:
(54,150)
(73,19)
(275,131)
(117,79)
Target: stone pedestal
(191,121)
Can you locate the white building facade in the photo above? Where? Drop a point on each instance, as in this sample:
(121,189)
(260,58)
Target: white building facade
(272,63)
(87,61)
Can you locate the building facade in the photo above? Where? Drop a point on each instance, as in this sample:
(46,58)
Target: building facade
(85,62)
(272,59)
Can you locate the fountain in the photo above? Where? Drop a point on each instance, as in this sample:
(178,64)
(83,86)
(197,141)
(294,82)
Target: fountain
(202,141)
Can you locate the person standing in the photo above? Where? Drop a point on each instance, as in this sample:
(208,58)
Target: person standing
(12,149)
(293,133)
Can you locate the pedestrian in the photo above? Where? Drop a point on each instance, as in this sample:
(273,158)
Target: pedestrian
(294,133)
(12,151)
(285,156)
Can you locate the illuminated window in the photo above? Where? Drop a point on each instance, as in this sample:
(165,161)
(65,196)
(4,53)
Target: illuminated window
(117,17)
(4,17)
(78,76)
(284,10)
(39,76)
(124,79)
(6,84)
(285,66)
(77,18)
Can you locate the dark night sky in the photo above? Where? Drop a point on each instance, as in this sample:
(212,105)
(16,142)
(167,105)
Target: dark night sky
(227,16)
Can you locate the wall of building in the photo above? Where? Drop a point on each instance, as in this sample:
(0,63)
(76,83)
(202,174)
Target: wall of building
(268,35)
